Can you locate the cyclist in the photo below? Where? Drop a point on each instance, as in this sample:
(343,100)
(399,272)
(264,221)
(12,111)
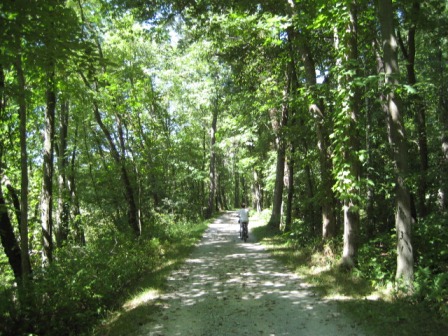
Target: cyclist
(243,214)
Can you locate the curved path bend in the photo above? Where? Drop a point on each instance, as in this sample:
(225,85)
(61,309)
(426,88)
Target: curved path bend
(228,287)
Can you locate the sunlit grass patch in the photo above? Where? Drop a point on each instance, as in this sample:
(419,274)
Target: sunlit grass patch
(142,298)
(375,308)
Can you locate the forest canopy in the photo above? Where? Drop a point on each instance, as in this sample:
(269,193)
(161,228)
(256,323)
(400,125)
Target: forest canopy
(124,123)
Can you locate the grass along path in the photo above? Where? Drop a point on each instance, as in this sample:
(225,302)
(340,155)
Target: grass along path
(377,312)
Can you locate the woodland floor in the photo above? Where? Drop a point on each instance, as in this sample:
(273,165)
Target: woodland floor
(228,287)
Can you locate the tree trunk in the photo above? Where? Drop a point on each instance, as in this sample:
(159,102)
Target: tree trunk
(24,244)
(237,197)
(120,161)
(327,200)
(310,213)
(277,125)
(418,105)
(77,225)
(212,171)
(403,219)
(47,181)
(258,191)
(8,239)
(370,202)
(3,177)
(290,188)
(7,236)
(443,117)
(351,205)
(63,210)
(317,112)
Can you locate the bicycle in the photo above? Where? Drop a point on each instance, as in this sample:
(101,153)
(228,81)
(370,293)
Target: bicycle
(244,231)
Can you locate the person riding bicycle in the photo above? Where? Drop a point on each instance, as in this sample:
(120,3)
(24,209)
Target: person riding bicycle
(243,214)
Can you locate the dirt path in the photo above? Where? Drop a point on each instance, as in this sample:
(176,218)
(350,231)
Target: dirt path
(228,287)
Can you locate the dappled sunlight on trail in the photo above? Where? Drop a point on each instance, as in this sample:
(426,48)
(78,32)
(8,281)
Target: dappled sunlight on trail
(228,287)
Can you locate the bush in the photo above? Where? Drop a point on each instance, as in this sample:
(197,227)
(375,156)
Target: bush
(84,283)
(377,260)
(431,250)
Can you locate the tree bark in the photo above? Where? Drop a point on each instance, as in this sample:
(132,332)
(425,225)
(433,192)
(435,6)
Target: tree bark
(420,113)
(24,244)
(310,211)
(237,197)
(351,205)
(290,187)
(278,125)
(63,210)
(77,225)
(8,239)
(212,170)
(47,182)
(317,112)
(392,105)
(443,117)
(7,236)
(257,191)
(120,161)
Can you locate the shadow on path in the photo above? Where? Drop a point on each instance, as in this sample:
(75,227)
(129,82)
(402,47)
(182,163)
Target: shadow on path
(228,287)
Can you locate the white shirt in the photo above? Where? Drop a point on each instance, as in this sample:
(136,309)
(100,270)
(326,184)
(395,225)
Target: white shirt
(244,215)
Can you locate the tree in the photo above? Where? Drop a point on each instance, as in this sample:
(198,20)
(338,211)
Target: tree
(7,235)
(212,176)
(416,102)
(346,140)
(397,140)
(24,246)
(279,120)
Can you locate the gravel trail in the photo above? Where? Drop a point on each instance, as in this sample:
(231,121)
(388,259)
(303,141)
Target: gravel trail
(228,287)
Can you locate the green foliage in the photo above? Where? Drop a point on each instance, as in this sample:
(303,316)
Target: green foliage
(431,276)
(169,227)
(84,283)
(376,260)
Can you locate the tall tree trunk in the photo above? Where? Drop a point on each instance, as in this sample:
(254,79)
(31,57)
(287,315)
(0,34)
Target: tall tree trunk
(352,101)
(212,171)
(370,206)
(257,191)
(47,182)
(8,238)
(290,188)
(120,161)
(317,112)
(294,86)
(24,243)
(420,114)
(277,200)
(63,210)
(278,124)
(310,211)
(76,212)
(443,117)
(237,197)
(403,219)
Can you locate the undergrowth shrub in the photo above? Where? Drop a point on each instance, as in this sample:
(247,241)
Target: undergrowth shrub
(169,226)
(376,260)
(83,283)
(431,250)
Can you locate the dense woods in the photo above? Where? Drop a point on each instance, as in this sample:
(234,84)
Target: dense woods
(124,123)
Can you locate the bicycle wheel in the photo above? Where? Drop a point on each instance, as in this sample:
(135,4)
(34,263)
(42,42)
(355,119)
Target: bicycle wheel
(245,233)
